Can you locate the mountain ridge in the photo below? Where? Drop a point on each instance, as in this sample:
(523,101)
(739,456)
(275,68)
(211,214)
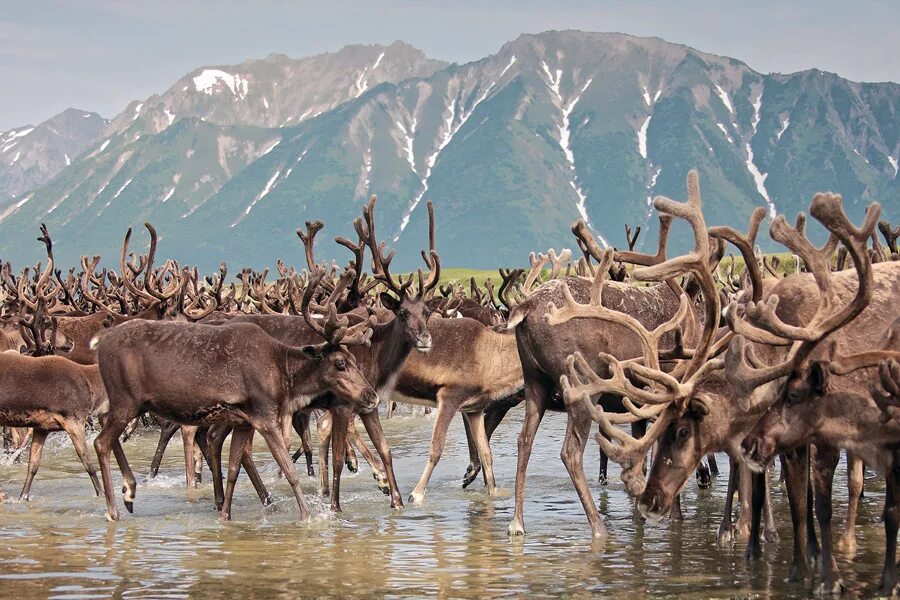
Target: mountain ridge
(511,148)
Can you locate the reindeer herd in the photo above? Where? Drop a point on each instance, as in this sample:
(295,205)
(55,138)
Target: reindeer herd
(694,357)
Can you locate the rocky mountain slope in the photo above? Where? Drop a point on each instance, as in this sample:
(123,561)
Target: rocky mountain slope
(511,148)
(32,155)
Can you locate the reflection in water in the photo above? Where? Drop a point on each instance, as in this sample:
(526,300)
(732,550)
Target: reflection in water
(453,545)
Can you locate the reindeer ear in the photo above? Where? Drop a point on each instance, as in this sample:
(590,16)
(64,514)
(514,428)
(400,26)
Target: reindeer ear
(312,352)
(698,406)
(819,377)
(389,302)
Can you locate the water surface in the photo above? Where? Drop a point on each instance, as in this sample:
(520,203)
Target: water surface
(454,545)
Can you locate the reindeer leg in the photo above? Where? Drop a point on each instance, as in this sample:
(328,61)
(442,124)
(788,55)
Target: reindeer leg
(76,434)
(253,474)
(324,428)
(891,518)
(203,446)
(726,535)
(350,459)
(187,438)
(826,461)
(372,423)
(476,426)
(536,396)
(795,466)
(103,443)
(846,543)
(758,492)
(276,446)
(340,418)
(578,427)
(713,465)
(703,476)
(165,434)
(770,534)
(300,420)
(215,438)
(446,408)
(129,483)
(603,478)
(355,440)
(474,466)
(239,437)
(745,485)
(492,418)
(34,460)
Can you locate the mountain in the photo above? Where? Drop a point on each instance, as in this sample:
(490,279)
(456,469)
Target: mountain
(511,148)
(32,155)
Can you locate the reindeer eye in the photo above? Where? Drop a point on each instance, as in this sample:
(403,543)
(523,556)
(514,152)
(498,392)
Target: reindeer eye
(683,433)
(340,365)
(792,397)
(403,313)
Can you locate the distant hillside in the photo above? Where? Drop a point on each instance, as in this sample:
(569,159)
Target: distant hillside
(511,148)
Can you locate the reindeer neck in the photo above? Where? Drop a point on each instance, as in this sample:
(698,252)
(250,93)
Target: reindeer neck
(391,347)
(296,371)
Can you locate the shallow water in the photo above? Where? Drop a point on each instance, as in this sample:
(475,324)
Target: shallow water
(453,545)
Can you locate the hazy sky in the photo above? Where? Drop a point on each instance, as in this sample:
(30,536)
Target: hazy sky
(100,54)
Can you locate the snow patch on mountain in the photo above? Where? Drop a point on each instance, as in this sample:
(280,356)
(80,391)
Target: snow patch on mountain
(512,61)
(565,134)
(759,178)
(270,185)
(725,99)
(455,121)
(11,209)
(362,81)
(725,131)
(208,82)
(642,136)
(785,123)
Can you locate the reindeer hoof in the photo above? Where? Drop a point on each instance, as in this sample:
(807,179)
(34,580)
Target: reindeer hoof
(602,479)
(224,516)
(516,528)
(269,500)
(352,466)
(726,537)
(471,473)
(846,545)
(416,497)
(112,516)
(836,588)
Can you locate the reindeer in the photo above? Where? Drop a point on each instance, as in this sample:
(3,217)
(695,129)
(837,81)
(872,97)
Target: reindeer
(833,399)
(234,374)
(48,393)
(704,413)
(543,349)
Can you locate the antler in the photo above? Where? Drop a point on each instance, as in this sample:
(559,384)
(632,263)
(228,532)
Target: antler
(826,208)
(335,330)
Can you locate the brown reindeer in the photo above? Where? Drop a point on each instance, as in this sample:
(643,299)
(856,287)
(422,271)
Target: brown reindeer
(705,413)
(48,393)
(841,400)
(543,348)
(233,374)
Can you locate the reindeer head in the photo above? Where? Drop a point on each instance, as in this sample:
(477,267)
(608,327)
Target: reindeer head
(410,309)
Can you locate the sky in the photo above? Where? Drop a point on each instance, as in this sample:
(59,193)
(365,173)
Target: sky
(100,54)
